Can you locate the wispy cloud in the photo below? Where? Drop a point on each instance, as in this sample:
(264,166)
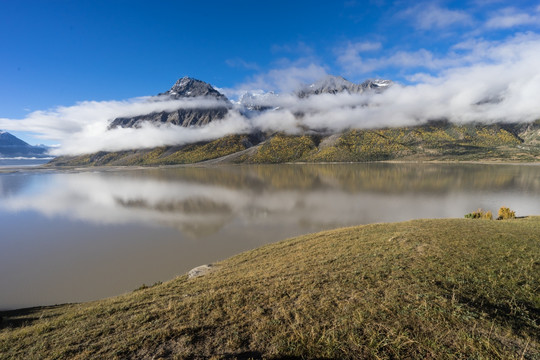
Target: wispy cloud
(296,48)
(354,63)
(428,16)
(241,63)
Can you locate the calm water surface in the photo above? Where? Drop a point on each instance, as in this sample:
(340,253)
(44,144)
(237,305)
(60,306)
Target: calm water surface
(22,162)
(77,236)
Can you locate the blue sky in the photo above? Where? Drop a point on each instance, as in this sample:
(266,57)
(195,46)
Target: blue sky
(58,53)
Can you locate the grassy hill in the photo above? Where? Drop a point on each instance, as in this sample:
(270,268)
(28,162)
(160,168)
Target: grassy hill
(434,141)
(425,289)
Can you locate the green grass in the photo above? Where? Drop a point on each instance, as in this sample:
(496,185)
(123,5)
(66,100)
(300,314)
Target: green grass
(424,289)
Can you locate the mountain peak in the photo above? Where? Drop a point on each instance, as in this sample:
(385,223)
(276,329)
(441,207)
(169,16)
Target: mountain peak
(331,84)
(11,140)
(190,87)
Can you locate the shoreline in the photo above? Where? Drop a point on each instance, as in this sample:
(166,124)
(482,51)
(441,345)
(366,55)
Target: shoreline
(47,169)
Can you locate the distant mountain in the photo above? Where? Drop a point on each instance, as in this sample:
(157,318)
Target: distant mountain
(11,146)
(337,84)
(184,88)
(255,102)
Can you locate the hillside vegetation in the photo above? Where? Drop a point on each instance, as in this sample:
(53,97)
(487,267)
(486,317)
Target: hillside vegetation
(425,289)
(434,141)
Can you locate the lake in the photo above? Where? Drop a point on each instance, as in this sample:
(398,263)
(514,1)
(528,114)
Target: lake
(81,235)
(22,162)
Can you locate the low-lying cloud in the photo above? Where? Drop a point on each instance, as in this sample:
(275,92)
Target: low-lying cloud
(491,82)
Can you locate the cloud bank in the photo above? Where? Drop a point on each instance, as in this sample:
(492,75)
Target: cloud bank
(478,80)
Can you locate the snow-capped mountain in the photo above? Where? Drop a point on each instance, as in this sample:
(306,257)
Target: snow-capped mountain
(338,84)
(253,102)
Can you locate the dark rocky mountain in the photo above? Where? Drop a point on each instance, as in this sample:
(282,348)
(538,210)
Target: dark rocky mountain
(12,146)
(189,87)
(337,84)
(184,88)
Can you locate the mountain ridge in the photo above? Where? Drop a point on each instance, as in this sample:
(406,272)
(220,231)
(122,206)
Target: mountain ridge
(250,103)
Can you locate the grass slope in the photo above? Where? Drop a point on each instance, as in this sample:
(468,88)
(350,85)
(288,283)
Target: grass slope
(167,155)
(433,141)
(425,289)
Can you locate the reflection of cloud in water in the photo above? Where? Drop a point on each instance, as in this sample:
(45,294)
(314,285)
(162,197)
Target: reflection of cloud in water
(201,201)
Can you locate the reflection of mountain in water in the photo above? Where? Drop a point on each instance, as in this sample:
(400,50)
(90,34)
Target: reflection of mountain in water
(202,201)
(379,177)
(206,216)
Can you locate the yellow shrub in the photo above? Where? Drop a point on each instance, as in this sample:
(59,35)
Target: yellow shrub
(480,214)
(506,213)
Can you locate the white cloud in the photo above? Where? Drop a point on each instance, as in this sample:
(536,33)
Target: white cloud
(148,136)
(511,17)
(469,52)
(353,63)
(285,79)
(350,54)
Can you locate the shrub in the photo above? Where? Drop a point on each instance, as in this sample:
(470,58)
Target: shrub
(480,214)
(506,213)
